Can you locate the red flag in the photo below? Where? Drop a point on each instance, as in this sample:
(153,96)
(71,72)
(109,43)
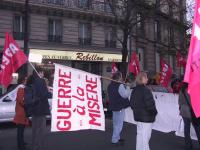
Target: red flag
(181,61)
(192,73)
(12,59)
(165,74)
(134,66)
(114,68)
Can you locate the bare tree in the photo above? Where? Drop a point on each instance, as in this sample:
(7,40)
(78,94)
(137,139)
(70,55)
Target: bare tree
(131,13)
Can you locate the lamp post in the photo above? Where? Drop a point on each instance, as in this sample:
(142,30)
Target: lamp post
(26,33)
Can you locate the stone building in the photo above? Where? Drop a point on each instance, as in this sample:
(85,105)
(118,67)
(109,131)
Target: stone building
(83,33)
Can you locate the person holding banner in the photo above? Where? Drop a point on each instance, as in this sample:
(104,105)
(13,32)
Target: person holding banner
(144,110)
(20,118)
(118,100)
(41,110)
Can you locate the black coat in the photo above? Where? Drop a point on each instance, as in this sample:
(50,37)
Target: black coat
(143,104)
(42,107)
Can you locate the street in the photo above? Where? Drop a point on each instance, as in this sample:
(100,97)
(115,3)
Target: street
(91,139)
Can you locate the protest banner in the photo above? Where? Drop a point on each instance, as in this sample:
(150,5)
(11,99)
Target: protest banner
(77,100)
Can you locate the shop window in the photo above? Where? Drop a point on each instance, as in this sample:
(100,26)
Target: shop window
(55,30)
(85,34)
(157,33)
(110,37)
(18,27)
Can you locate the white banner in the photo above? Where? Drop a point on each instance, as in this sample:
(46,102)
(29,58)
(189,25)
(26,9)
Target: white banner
(168,118)
(77,100)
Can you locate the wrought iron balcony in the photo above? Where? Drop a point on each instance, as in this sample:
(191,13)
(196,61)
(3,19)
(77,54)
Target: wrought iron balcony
(18,35)
(55,38)
(90,5)
(85,41)
(110,44)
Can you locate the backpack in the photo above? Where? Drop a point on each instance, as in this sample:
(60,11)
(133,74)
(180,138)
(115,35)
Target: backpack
(30,100)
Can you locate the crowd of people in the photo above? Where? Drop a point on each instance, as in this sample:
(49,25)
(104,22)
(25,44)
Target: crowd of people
(134,94)
(141,100)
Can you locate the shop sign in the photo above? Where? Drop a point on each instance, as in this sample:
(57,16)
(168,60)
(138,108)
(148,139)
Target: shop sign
(81,56)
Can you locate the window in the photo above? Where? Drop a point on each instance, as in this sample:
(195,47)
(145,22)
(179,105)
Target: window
(171,35)
(157,33)
(110,37)
(55,30)
(140,24)
(107,7)
(157,62)
(171,62)
(85,33)
(84,4)
(56,2)
(18,27)
(158,4)
(141,58)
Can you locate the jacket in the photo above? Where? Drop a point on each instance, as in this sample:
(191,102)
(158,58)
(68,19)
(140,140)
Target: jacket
(143,104)
(116,101)
(42,108)
(183,105)
(20,116)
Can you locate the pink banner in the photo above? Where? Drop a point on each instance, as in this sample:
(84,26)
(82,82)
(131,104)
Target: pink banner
(192,73)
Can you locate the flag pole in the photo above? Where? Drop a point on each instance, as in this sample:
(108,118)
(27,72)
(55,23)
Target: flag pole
(34,68)
(106,78)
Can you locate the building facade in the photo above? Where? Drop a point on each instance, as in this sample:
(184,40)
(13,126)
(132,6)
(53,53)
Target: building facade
(84,33)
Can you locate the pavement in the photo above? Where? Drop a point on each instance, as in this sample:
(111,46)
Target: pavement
(92,139)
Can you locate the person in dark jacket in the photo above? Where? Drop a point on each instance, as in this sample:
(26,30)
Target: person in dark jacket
(184,102)
(41,110)
(118,100)
(144,110)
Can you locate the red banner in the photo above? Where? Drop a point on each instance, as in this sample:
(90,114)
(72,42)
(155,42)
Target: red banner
(165,74)
(114,68)
(12,59)
(134,66)
(192,72)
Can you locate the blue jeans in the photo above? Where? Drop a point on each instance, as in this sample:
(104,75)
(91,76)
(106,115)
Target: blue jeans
(118,119)
(188,141)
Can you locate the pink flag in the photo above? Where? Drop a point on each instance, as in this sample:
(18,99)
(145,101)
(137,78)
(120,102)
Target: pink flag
(114,68)
(13,58)
(192,73)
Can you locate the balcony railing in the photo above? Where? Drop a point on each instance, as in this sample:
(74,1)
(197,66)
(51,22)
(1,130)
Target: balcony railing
(110,44)
(55,38)
(84,41)
(18,35)
(91,5)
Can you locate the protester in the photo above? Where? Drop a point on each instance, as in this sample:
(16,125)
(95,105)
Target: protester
(118,100)
(144,109)
(185,112)
(20,118)
(41,110)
